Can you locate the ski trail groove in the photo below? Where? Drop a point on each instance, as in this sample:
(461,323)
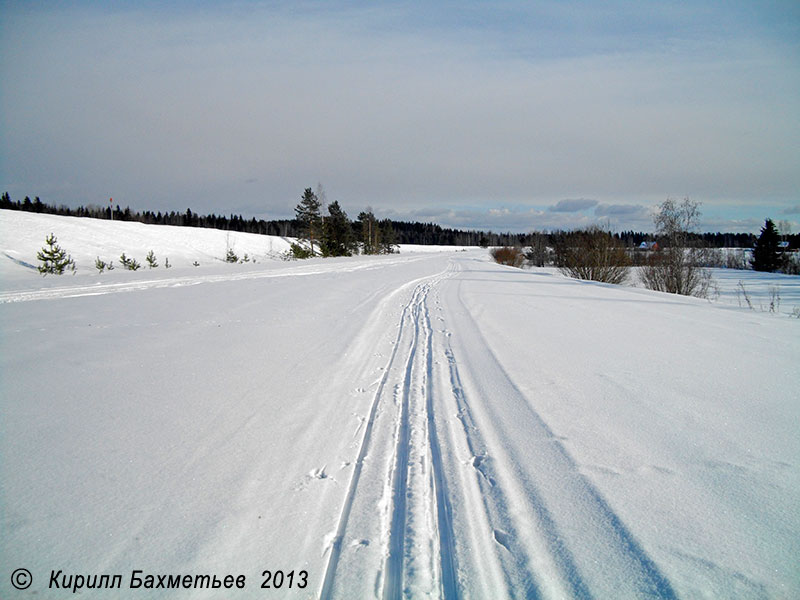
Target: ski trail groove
(336,546)
(394,561)
(543,508)
(402,372)
(516,566)
(443,508)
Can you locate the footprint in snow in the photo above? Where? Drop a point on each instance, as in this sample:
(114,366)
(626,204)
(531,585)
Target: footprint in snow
(502,538)
(318,474)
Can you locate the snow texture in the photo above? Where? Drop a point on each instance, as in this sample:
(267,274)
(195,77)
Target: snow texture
(421,425)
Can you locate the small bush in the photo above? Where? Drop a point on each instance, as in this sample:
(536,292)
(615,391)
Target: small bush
(299,252)
(131,264)
(508,255)
(677,271)
(102,265)
(592,254)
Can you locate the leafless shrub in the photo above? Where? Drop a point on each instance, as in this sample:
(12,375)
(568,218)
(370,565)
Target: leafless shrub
(742,292)
(592,254)
(508,255)
(677,268)
(676,271)
(774,298)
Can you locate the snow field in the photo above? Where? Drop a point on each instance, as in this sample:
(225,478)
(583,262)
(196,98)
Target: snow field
(417,425)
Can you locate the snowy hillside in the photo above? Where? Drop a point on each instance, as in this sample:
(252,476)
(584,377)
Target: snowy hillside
(22,235)
(420,425)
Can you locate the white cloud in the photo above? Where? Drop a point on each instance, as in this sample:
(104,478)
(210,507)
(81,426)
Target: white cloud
(208,110)
(569,206)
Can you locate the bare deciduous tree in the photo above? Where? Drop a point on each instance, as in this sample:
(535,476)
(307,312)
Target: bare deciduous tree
(676,267)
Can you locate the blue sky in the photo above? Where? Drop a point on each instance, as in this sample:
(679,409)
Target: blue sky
(494,115)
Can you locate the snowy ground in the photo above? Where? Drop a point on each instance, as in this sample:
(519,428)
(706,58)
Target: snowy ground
(418,425)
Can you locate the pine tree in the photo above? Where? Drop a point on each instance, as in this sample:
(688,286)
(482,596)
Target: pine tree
(370,232)
(102,265)
(131,264)
(766,254)
(308,214)
(54,259)
(151,259)
(337,234)
(388,238)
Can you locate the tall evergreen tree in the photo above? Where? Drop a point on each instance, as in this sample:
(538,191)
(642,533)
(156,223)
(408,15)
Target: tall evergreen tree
(766,254)
(337,234)
(308,214)
(387,237)
(370,232)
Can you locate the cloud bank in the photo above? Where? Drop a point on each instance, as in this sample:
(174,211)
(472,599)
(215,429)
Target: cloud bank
(401,108)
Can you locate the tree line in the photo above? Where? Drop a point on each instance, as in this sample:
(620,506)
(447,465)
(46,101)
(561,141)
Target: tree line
(404,232)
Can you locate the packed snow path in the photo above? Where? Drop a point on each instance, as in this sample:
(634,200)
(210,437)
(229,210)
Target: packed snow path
(488,524)
(410,426)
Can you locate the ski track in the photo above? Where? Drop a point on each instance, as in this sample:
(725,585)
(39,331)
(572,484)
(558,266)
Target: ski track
(472,510)
(554,523)
(400,397)
(102,288)
(336,546)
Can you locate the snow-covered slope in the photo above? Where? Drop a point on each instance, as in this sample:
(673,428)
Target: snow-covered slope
(22,235)
(417,425)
